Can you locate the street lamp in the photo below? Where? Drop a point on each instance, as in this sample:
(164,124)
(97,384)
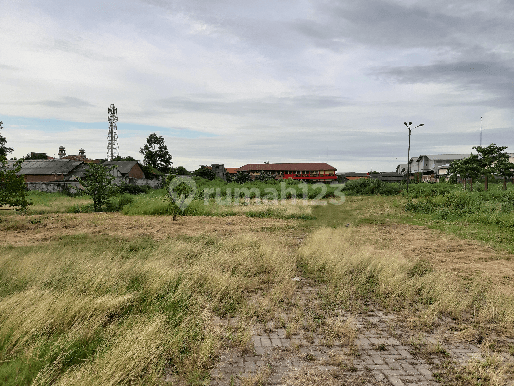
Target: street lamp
(408,151)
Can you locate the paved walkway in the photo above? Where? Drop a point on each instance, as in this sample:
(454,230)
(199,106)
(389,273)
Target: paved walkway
(379,355)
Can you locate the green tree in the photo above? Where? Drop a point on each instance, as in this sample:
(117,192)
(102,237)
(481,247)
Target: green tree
(487,158)
(12,186)
(156,154)
(4,150)
(182,171)
(35,156)
(182,190)
(471,167)
(205,172)
(505,169)
(127,158)
(242,177)
(265,177)
(97,182)
(467,168)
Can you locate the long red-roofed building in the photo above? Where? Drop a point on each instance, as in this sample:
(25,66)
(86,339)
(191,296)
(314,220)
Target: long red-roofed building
(296,171)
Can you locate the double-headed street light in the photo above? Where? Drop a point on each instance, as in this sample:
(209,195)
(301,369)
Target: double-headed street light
(408,151)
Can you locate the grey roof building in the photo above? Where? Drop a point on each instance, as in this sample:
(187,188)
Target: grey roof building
(131,169)
(46,170)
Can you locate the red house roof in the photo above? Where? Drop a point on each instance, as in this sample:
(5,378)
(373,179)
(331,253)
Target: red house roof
(286,166)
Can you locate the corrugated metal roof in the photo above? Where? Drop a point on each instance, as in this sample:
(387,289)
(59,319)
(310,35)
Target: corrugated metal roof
(445,156)
(45,167)
(123,166)
(286,167)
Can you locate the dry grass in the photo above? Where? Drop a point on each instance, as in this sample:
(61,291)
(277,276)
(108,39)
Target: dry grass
(278,208)
(33,230)
(104,309)
(360,269)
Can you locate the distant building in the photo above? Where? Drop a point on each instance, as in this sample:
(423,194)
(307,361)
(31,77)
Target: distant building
(294,171)
(219,171)
(46,170)
(350,176)
(387,176)
(430,164)
(128,169)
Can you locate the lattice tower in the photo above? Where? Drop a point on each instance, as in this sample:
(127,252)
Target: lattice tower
(112,137)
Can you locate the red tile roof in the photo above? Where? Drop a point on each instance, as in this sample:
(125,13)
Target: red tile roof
(232,170)
(286,167)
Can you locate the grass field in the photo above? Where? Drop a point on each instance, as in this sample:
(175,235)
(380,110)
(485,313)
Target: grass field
(127,297)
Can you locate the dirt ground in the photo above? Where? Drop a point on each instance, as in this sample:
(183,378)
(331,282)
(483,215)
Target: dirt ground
(465,258)
(30,230)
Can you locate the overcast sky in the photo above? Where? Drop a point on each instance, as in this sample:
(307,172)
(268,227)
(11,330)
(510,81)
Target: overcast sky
(236,81)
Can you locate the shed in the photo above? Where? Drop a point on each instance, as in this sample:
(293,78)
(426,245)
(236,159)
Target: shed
(130,169)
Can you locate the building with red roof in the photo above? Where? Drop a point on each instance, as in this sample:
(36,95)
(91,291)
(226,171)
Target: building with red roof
(296,171)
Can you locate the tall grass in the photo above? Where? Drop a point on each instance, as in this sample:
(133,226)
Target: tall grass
(358,273)
(102,310)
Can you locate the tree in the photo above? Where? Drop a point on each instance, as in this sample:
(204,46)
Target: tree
(97,182)
(156,154)
(182,171)
(242,177)
(12,186)
(127,158)
(469,167)
(504,168)
(487,158)
(34,156)
(4,150)
(265,177)
(205,172)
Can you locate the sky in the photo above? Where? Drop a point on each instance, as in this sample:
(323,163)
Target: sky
(238,82)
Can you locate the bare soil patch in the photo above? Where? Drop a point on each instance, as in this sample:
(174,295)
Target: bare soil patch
(30,230)
(465,258)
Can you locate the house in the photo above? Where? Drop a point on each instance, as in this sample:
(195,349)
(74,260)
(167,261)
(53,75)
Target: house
(295,171)
(128,169)
(46,170)
(430,164)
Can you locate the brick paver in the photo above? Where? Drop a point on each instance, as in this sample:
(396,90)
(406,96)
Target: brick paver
(381,356)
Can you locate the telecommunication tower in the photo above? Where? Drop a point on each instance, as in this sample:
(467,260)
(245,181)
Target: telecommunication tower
(112,137)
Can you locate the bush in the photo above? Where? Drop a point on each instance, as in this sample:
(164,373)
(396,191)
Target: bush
(133,189)
(116,204)
(368,186)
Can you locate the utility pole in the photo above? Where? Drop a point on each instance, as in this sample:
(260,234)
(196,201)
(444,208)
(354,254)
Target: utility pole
(480,131)
(112,137)
(408,151)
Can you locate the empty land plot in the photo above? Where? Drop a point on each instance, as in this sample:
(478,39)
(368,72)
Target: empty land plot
(111,299)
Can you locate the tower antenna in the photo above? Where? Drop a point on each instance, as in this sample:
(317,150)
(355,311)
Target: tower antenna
(480,131)
(112,137)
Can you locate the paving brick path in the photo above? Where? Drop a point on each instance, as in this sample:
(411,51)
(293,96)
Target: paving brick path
(380,354)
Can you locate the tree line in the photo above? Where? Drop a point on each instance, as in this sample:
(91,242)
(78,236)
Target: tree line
(489,161)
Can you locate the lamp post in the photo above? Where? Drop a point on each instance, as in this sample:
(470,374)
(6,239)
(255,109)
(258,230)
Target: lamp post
(408,151)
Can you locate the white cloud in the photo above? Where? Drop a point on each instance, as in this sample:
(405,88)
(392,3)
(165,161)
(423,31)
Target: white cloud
(273,80)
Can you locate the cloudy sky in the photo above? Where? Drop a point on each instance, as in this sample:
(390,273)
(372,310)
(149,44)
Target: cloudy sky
(238,82)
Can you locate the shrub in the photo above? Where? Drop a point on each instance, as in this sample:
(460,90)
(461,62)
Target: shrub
(368,186)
